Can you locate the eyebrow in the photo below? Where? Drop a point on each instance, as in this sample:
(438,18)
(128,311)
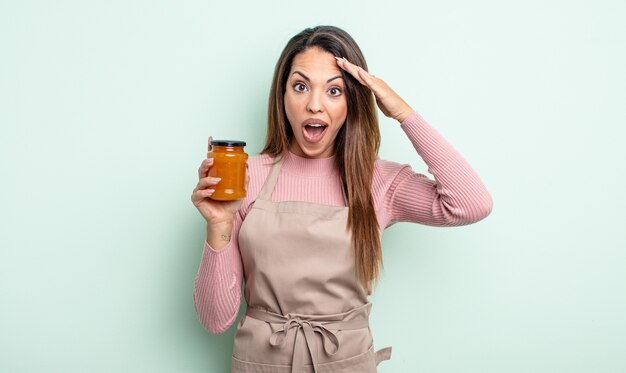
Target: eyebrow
(309,80)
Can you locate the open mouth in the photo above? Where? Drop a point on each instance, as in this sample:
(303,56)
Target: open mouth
(314,132)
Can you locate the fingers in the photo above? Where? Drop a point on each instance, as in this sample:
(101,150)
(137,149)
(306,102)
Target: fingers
(200,194)
(204,188)
(352,69)
(367,78)
(203,170)
(207,182)
(376,85)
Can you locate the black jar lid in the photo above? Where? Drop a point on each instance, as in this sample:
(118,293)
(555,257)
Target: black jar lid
(228,143)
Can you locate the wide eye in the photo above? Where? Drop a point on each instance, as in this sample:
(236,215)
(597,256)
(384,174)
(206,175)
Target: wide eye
(299,87)
(334,91)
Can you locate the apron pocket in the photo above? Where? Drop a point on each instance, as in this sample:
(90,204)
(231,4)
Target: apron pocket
(240,366)
(363,363)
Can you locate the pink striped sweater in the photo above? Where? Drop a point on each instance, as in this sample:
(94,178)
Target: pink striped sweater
(456,197)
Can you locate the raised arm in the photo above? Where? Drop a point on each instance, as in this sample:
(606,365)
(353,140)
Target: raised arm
(456,196)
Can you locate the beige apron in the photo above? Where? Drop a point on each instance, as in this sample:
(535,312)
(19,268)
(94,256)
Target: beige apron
(306,310)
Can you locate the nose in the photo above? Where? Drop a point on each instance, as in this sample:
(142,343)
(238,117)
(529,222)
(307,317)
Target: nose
(315,104)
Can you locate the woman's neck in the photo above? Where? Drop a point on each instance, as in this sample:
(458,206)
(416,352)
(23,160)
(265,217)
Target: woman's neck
(304,166)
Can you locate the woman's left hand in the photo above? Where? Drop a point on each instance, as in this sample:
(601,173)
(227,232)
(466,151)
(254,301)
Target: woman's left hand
(392,105)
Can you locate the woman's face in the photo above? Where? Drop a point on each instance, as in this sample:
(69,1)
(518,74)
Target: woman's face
(315,103)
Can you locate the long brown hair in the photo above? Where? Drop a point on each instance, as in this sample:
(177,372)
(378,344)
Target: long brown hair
(356,145)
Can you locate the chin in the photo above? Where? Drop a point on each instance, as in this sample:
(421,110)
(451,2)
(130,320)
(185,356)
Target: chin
(321,153)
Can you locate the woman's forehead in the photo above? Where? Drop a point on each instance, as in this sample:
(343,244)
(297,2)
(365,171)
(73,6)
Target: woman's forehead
(315,63)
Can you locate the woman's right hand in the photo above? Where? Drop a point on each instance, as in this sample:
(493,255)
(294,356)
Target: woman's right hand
(214,212)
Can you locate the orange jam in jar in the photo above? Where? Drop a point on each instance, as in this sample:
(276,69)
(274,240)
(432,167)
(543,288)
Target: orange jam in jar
(229,164)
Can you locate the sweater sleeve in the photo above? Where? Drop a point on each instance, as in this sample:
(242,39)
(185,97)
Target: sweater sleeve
(217,288)
(455,197)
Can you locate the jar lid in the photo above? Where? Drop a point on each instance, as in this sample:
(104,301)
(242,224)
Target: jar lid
(228,143)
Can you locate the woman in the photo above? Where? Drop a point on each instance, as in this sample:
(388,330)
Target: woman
(307,236)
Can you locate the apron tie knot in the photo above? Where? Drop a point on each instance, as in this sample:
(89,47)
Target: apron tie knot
(306,328)
(329,337)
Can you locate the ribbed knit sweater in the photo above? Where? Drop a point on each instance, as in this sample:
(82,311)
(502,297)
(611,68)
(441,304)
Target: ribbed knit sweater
(455,197)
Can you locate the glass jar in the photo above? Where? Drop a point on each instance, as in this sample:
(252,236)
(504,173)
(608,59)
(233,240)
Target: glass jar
(229,164)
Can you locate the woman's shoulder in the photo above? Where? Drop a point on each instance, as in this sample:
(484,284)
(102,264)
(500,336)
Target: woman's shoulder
(384,167)
(259,162)
(259,166)
(386,173)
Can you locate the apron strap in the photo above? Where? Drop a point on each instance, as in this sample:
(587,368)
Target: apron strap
(383,354)
(268,186)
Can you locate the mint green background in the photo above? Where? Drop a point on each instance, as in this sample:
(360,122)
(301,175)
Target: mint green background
(105,107)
